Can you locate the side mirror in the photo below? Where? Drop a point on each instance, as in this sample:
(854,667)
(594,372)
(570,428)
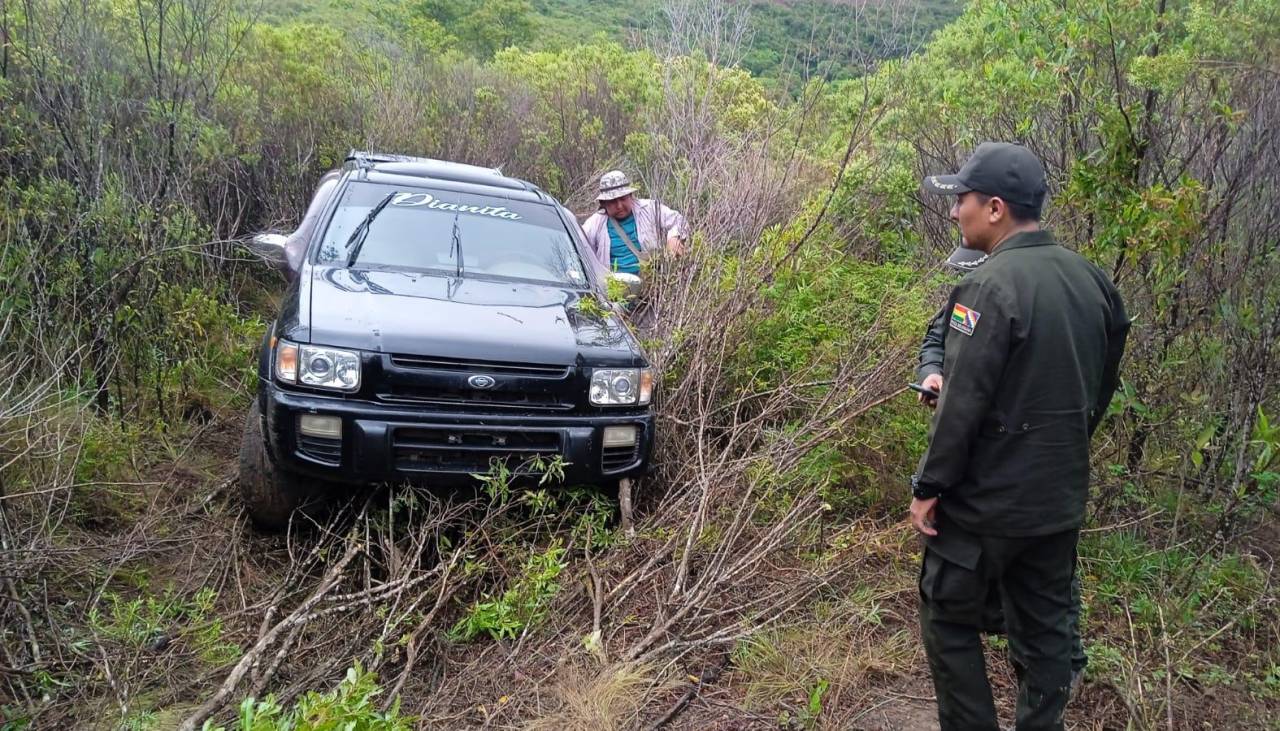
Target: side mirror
(271,247)
(631,281)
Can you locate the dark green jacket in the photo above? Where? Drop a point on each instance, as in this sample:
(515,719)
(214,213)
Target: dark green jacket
(1031,359)
(933,346)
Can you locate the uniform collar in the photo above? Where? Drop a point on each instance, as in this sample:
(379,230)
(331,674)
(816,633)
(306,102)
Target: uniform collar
(1024,240)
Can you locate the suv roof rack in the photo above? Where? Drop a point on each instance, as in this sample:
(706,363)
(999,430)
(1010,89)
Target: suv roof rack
(369,158)
(426,167)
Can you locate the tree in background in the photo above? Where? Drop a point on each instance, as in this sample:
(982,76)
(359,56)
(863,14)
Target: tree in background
(482,27)
(1156,150)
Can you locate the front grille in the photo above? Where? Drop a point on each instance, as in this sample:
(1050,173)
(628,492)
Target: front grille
(469,449)
(472,397)
(320,449)
(431,380)
(480,366)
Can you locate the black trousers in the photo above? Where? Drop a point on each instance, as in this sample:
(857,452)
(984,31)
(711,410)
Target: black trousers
(1034,577)
(993,620)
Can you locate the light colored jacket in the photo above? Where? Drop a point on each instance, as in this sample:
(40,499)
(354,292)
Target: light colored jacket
(596,228)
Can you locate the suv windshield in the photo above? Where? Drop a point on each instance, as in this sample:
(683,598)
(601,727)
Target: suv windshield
(446,232)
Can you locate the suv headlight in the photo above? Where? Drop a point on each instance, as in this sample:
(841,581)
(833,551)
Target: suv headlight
(317,366)
(621,386)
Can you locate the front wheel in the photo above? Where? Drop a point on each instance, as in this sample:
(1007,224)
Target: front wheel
(270,493)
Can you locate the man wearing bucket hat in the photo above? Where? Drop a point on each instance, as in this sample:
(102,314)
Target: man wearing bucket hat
(1032,351)
(627,230)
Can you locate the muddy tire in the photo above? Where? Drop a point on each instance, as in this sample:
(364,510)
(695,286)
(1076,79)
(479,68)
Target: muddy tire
(270,494)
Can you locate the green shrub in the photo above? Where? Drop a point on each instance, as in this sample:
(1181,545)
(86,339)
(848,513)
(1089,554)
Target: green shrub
(139,622)
(821,306)
(349,707)
(1195,605)
(526,603)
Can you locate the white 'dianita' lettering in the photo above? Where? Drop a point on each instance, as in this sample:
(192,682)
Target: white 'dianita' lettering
(430,201)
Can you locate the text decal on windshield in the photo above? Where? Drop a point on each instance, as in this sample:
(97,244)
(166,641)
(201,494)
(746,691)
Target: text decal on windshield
(430,201)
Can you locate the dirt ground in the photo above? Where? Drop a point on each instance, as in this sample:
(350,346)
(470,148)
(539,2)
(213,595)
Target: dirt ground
(198,486)
(200,483)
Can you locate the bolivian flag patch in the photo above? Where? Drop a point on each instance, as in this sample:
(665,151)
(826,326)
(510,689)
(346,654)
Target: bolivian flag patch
(964,319)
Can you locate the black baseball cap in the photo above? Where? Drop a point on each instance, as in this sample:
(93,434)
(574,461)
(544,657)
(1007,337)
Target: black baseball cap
(1001,169)
(965,260)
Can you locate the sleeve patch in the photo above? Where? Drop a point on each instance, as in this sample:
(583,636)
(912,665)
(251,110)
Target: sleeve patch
(964,319)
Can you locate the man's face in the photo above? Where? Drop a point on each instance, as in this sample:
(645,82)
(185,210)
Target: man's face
(972,212)
(619,208)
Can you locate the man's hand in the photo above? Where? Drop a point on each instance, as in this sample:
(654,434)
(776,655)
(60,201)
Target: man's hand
(923,516)
(675,245)
(931,381)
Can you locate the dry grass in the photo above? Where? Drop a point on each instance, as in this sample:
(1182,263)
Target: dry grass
(857,637)
(592,698)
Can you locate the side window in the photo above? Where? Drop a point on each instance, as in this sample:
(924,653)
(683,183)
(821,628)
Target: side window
(596,272)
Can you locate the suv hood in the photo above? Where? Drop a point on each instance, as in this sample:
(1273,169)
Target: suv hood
(412,313)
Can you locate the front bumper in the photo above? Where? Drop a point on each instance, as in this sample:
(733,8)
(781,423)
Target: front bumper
(392,443)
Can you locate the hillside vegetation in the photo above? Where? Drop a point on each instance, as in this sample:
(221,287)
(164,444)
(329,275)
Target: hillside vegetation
(771,579)
(780,41)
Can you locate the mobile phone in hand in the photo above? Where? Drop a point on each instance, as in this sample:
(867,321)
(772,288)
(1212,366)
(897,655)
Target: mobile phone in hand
(921,389)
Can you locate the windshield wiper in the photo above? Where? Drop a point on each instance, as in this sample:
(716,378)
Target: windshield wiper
(455,249)
(356,241)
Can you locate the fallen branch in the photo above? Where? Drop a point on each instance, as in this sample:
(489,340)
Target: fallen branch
(256,653)
(706,678)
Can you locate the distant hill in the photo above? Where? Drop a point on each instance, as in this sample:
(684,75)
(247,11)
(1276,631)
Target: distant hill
(825,37)
(804,36)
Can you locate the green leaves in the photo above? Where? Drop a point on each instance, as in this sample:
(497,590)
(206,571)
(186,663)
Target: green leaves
(1165,72)
(1266,437)
(144,622)
(524,604)
(815,698)
(352,706)
(1202,443)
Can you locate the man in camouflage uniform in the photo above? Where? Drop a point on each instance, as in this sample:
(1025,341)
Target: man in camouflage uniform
(1031,358)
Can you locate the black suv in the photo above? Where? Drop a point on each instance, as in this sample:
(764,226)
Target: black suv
(439,317)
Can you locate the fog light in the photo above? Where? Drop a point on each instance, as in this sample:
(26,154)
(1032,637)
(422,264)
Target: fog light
(619,436)
(328,427)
